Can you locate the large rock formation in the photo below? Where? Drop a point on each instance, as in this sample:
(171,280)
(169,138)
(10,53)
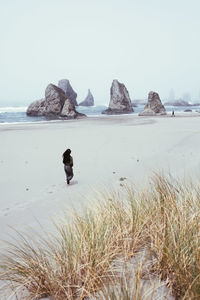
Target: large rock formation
(54,100)
(55,103)
(89,100)
(120,102)
(65,85)
(154,106)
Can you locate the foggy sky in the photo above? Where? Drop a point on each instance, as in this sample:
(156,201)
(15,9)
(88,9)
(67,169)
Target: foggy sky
(145,44)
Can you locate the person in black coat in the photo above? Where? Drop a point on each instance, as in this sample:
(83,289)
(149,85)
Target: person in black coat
(68,164)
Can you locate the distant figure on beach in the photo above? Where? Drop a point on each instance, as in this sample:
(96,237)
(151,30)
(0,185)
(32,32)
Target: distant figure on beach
(68,164)
(173,115)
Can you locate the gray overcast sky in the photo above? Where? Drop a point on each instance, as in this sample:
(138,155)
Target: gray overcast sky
(145,44)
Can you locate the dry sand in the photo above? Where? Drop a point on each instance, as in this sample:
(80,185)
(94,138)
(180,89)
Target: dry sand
(32,180)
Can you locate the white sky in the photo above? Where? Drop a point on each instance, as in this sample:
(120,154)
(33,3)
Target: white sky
(145,44)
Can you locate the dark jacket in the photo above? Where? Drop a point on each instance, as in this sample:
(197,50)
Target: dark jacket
(70,163)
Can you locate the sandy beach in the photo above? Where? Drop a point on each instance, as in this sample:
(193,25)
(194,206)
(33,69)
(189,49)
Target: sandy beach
(105,151)
(32,179)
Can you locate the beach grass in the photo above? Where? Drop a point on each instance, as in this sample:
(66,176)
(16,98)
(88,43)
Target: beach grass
(79,260)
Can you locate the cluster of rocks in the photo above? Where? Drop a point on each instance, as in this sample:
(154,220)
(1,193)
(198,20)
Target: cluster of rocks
(55,103)
(180,102)
(177,103)
(59,101)
(120,102)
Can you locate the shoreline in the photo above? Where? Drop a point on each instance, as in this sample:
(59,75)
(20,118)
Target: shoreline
(105,117)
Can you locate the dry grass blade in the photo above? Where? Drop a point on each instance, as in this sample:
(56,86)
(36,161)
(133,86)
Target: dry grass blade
(76,261)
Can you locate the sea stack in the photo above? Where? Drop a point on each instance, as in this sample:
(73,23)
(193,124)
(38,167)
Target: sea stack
(55,103)
(154,106)
(65,85)
(89,100)
(120,102)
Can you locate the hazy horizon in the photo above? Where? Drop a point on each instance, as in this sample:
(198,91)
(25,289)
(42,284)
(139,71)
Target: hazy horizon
(145,44)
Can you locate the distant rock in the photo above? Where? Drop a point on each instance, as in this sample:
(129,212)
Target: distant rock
(54,104)
(139,102)
(154,106)
(89,100)
(133,104)
(65,85)
(187,110)
(120,102)
(181,102)
(177,103)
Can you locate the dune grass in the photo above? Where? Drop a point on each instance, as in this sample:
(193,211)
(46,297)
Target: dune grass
(77,261)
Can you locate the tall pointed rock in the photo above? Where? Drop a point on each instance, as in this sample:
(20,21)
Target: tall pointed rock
(120,102)
(89,100)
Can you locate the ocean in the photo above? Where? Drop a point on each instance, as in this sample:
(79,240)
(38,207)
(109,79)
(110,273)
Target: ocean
(17,114)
